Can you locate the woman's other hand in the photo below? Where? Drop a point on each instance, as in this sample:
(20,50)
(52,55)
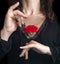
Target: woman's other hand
(40,48)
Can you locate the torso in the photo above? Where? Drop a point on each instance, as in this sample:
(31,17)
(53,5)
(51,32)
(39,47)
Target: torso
(35,20)
(46,37)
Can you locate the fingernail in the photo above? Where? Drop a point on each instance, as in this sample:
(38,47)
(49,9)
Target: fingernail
(20,47)
(17,2)
(20,56)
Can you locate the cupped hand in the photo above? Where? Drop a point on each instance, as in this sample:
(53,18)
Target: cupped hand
(10,23)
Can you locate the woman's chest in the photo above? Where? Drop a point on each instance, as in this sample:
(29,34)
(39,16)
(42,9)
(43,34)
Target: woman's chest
(33,20)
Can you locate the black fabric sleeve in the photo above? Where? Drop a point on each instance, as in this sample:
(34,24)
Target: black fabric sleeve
(55,53)
(5,47)
(55,50)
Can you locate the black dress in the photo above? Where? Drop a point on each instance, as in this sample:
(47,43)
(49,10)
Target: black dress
(48,35)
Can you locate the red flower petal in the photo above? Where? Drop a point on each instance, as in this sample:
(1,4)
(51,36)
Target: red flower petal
(30,28)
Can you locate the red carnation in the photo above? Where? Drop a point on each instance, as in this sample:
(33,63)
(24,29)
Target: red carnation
(31,30)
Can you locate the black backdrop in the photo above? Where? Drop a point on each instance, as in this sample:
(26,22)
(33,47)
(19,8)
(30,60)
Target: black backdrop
(4,7)
(3,10)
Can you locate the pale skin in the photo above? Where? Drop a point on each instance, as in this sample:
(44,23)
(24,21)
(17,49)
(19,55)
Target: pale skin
(30,8)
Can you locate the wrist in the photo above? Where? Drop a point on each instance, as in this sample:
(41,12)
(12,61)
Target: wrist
(4,34)
(43,49)
(48,51)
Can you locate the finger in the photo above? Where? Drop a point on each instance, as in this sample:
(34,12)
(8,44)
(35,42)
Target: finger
(17,17)
(22,53)
(17,12)
(26,55)
(27,46)
(15,5)
(19,20)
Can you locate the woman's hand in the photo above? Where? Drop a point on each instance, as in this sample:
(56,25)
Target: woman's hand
(10,23)
(40,48)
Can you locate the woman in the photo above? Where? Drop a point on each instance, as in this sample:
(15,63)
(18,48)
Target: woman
(30,34)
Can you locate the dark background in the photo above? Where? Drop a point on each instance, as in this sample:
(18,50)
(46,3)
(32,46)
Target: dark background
(4,8)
